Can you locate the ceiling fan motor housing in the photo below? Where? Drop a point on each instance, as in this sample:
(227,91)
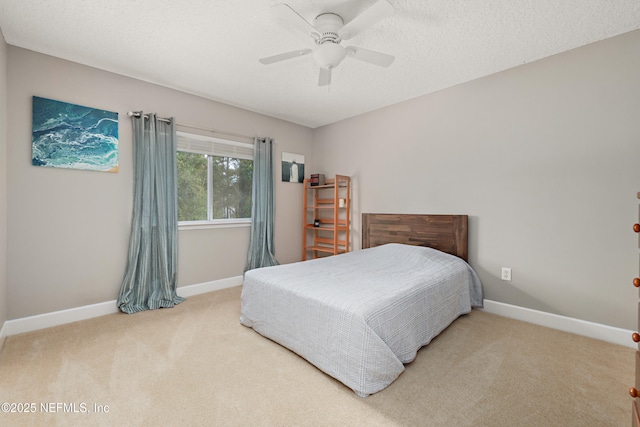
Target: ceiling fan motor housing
(328,25)
(329,53)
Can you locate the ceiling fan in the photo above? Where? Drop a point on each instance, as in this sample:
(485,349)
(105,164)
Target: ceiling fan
(328,31)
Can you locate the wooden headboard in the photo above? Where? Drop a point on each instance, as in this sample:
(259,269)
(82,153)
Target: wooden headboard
(447,233)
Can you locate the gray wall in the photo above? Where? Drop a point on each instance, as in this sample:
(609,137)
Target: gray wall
(68,229)
(544,159)
(3,181)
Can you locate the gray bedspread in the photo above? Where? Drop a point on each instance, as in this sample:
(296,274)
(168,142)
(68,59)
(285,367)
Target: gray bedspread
(360,316)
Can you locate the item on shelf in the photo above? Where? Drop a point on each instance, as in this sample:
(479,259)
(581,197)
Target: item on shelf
(316,179)
(316,223)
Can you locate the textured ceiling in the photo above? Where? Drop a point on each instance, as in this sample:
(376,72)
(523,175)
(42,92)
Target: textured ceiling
(211,47)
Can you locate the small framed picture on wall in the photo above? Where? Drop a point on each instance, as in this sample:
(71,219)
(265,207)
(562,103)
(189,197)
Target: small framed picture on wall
(292,167)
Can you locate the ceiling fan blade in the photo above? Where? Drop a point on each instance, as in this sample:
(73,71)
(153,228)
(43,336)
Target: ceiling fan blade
(285,12)
(285,56)
(325,77)
(377,12)
(370,56)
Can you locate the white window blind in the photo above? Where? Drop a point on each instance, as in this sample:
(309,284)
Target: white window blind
(202,144)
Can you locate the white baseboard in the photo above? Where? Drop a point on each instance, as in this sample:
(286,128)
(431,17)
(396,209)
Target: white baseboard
(203,288)
(47,320)
(3,334)
(567,324)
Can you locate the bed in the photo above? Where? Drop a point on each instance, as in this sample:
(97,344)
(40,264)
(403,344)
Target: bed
(360,316)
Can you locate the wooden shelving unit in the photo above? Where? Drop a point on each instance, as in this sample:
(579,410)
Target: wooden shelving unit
(331,205)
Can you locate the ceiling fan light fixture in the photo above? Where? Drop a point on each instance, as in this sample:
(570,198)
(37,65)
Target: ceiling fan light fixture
(329,55)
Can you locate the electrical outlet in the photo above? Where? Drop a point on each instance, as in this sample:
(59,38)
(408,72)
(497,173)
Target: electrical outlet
(506,274)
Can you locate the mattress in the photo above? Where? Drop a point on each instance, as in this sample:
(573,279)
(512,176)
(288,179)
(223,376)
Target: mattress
(360,316)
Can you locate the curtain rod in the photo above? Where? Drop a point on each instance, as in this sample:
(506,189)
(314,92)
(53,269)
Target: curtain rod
(162,119)
(146,116)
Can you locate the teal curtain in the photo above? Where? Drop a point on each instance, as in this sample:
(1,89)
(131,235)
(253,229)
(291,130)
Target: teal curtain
(261,248)
(150,278)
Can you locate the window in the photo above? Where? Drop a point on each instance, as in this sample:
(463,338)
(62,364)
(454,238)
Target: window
(214,179)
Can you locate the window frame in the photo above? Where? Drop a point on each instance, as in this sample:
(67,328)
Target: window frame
(191,142)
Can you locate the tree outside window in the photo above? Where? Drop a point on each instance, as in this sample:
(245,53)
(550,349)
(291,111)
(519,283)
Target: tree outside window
(213,187)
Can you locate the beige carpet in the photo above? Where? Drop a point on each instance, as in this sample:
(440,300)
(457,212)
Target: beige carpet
(196,365)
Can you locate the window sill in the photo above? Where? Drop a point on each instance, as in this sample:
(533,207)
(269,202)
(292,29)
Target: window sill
(201,225)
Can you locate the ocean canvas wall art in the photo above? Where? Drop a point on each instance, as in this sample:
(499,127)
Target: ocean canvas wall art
(73,136)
